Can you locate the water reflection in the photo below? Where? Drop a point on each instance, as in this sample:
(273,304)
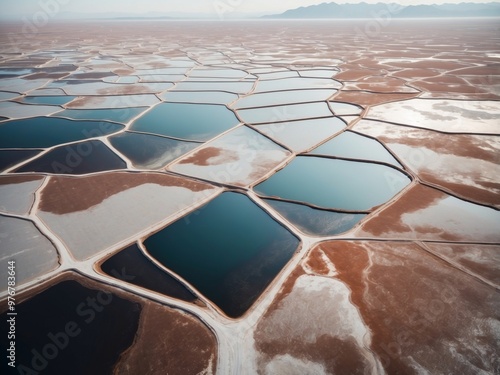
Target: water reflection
(9,158)
(46,100)
(122,115)
(197,122)
(131,266)
(149,151)
(230,250)
(313,221)
(336,184)
(78,158)
(77,319)
(46,131)
(355,146)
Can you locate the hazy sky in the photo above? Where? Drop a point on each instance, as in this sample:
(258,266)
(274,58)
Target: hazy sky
(17,8)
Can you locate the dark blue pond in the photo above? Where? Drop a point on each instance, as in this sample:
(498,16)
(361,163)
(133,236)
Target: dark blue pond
(132,266)
(78,158)
(150,151)
(9,158)
(50,131)
(230,250)
(65,325)
(313,221)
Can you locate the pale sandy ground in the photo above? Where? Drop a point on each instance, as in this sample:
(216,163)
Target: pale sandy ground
(413,288)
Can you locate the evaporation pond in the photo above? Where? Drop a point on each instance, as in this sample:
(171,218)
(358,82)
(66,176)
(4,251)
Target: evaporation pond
(230,250)
(316,222)
(355,146)
(47,131)
(65,315)
(47,100)
(150,151)
(336,184)
(77,158)
(283,97)
(197,122)
(123,115)
(141,271)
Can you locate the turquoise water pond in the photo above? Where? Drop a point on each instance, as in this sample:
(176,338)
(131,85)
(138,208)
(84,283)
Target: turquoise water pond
(335,184)
(196,122)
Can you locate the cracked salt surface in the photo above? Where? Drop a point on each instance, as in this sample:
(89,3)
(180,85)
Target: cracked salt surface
(276,68)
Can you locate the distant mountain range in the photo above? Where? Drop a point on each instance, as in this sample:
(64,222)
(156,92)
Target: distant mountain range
(325,10)
(364,10)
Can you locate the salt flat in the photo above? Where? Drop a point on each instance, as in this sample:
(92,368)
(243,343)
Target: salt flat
(393,267)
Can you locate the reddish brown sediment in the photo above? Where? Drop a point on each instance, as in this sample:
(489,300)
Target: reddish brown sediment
(416,306)
(478,95)
(421,311)
(41,75)
(390,219)
(483,260)
(14,179)
(169,342)
(336,355)
(483,81)
(422,53)
(365,63)
(441,233)
(463,145)
(488,70)
(173,53)
(84,101)
(446,80)
(211,156)
(262,167)
(316,263)
(428,64)
(425,213)
(127,89)
(68,69)
(379,84)
(156,65)
(364,98)
(88,101)
(285,290)
(415,73)
(486,193)
(348,74)
(448,85)
(473,147)
(123,72)
(64,195)
(91,75)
